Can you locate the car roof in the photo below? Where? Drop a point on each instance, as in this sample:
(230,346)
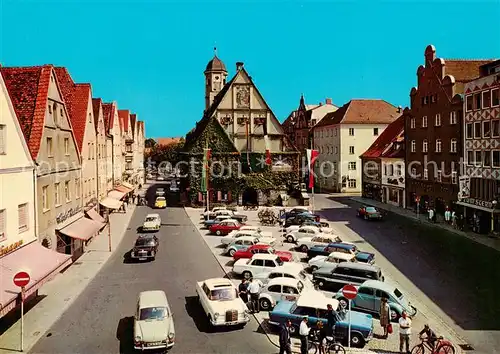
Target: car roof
(160,198)
(264,256)
(341,255)
(375,284)
(283,281)
(316,299)
(213,283)
(346,246)
(153,216)
(152,298)
(260,246)
(145,236)
(309,227)
(245,238)
(249,227)
(229,219)
(359,265)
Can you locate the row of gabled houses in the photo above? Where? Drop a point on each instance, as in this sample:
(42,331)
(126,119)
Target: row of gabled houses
(66,161)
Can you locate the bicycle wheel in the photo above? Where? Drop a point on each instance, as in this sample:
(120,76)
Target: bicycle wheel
(312,347)
(418,349)
(445,349)
(335,348)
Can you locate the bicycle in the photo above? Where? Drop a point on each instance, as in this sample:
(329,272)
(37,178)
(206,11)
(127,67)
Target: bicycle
(331,346)
(442,347)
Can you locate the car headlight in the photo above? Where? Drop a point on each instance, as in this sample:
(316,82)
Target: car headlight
(216,315)
(171,337)
(138,339)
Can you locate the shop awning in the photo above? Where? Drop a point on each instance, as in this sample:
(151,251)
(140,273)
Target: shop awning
(116,194)
(82,229)
(111,203)
(479,207)
(123,189)
(91,213)
(41,263)
(128,185)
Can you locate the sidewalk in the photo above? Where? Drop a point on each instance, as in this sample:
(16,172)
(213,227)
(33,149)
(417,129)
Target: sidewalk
(482,239)
(58,294)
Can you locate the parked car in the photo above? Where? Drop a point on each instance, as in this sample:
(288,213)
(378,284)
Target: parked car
(233,215)
(160,192)
(371,292)
(303,231)
(369,213)
(344,273)
(214,210)
(295,211)
(330,261)
(160,203)
(299,219)
(152,222)
(145,247)
(160,178)
(234,235)
(225,227)
(221,303)
(321,240)
(313,304)
(215,221)
(250,251)
(173,187)
(288,270)
(279,289)
(323,229)
(344,247)
(241,243)
(251,228)
(153,322)
(259,263)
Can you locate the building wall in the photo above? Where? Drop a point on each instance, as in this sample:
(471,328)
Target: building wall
(326,140)
(102,157)
(393,181)
(118,148)
(140,140)
(110,168)
(89,156)
(16,169)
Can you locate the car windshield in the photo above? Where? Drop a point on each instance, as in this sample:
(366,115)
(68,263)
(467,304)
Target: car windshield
(144,242)
(160,190)
(151,218)
(226,294)
(371,209)
(161,199)
(152,313)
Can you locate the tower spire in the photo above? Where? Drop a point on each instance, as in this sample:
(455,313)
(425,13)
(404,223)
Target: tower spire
(215,51)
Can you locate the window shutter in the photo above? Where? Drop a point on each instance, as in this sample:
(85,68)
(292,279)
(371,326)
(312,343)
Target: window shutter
(2,223)
(23,217)
(2,138)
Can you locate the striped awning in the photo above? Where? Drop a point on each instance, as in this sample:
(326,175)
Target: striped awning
(116,194)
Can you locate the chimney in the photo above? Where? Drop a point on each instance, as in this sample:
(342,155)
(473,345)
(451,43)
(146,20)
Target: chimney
(239,66)
(400,109)
(328,101)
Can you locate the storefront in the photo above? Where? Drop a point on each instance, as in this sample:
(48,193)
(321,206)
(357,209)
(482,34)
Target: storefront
(372,191)
(482,217)
(41,263)
(394,196)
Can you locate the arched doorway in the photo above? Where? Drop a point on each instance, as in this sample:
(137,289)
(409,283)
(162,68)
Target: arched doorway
(250,197)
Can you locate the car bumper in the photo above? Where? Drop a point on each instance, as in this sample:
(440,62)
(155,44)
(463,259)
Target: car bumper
(155,228)
(244,320)
(154,347)
(141,256)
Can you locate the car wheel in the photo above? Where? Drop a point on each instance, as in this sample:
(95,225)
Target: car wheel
(357,340)
(232,252)
(303,248)
(394,316)
(246,274)
(289,239)
(343,303)
(265,304)
(293,330)
(321,284)
(218,232)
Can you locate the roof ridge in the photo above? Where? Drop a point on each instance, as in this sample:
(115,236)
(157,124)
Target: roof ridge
(465,59)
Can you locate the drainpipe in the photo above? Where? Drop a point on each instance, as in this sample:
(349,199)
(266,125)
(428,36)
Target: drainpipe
(35,206)
(112,160)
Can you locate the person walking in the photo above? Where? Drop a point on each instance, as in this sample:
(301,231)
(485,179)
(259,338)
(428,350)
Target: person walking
(447,215)
(322,334)
(285,342)
(243,291)
(404,333)
(332,316)
(431,214)
(304,334)
(254,290)
(385,316)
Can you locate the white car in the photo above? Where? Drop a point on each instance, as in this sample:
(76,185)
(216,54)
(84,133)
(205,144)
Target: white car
(279,289)
(214,210)
(288,270)
(305,243)
(303,231)
(259,263)
(152,222)
(226,240)
(292,228)
(331,260)
(221,303)
(242,243)
(253,228)
(153,322)
(173,187)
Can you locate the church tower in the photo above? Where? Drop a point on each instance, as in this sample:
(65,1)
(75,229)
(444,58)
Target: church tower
(215,79)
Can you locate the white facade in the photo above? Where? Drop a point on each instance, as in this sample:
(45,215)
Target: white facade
(340,146)
(17,179)
(393,181)
(118,146)
(89,157)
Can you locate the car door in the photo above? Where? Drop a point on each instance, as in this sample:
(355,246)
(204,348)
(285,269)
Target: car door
(257,266)
(275,291)
(289,293)
(269,265)
(365,299)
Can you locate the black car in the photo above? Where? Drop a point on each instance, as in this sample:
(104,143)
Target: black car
(363,257)
(299,219)
(346,273)
(146,247)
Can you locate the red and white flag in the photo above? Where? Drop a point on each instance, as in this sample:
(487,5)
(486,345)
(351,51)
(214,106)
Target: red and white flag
(312,155)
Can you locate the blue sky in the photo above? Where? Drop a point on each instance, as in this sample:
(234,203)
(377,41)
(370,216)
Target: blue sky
(149,56)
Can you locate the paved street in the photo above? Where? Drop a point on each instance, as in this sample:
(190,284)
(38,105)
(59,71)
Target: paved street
(100,320)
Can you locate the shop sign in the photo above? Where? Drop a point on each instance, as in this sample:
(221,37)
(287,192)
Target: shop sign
(62,217)
(7,249)
(478,202)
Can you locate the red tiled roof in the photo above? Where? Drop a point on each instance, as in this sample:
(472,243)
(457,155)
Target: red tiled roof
(96,106)
(28,89)
(124,116)
(464,70)
(362,111)
(133,119)
(108,110)
(167,141)
(390,135)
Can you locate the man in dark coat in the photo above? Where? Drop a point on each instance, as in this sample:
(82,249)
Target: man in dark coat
(285,342)
(332,316)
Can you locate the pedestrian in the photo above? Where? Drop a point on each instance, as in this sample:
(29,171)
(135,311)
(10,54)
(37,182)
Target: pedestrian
(322,334)
(385,316)
(447,215)
(431,214)
(243,291)
(285,342)
(404,332)
(454,219)
(304,334)
(332,316)
(254,290)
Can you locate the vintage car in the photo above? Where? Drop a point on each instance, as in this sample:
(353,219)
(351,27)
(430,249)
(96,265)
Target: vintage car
(234,235)
(160,203)
(145,247)
(322,229)
(294,211)
(151,223)
(240,243)
(303,231)
(212,213)
(256,229)
(250,251)
(160,192)
(313,304)
(173,187)
(225,227)
(322,240)
(233,215)
(221,303)
(369,213)
(216,220)
(279,289)
(330,261)
(153,322)
(345,247)
(160,178)
(370,294)
(259,263)
(288,270)
(344,273)
(299,219)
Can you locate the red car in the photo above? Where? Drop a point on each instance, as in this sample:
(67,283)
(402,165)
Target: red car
(225,227)
(285,256)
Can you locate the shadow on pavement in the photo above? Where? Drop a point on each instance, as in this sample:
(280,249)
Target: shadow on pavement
(457,274)
(13,316)
(196,312)
(125,334)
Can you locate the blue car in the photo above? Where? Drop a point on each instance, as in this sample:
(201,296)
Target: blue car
(313,304)
(364,257)
(215,220)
